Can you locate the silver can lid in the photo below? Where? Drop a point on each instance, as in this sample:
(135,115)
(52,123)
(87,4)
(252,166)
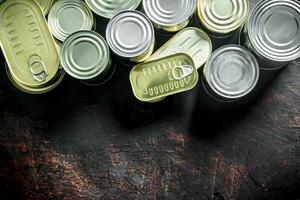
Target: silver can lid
(69,16)
(85,55)
(274,29)
(232,72)
(169,13)
(130,34)
(109,8)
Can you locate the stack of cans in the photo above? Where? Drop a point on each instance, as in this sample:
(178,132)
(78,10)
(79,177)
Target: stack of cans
(38,52)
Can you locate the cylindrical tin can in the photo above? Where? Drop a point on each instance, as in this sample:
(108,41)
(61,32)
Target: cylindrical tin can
(273,33)
(85,56)
(69,16)
(231,73)
(222,19)
(130,35)
(170,15)
(45,5)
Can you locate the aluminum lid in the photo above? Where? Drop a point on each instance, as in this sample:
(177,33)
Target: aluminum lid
(85,55)
(274,29)
(69,16)
(45,5)
(130,34)
(109,8)
(223,16)
(232,72)
(169,13)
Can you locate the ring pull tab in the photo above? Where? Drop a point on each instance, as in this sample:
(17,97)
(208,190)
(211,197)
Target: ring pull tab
(37,68)
(180,72)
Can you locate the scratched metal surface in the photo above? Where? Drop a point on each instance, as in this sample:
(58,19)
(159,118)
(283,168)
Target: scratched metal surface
(99,143)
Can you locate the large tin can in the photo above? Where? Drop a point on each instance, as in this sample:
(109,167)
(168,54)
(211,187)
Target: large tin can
(130,35)
(222,19)
(45,5)
(28,46)
(69,16)
(170,15)
(273,32)
(85,56)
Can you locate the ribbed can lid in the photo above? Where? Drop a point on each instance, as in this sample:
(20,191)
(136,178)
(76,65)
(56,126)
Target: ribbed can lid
(130,34)
(109,8)
(69,16)
(274,29)
(45,5)
(85,55)
(232,72)
(169,13)
(223,16)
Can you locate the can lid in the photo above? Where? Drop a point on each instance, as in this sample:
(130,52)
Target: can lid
(69,16)
(169,13)
(223,16)
(154,80)
(85,55)
(232,72)
(274,29)
(109,8)
(130,34)
(45,5)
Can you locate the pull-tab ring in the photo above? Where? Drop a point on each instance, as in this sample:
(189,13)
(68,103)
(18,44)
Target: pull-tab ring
(40,73)
(180,72)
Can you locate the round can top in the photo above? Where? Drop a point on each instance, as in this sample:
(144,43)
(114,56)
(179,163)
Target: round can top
(85,55)
(274,29)
(169,13)
(232,72)
(109,8)
(69,16)
(130,34)
(223,16)
(45,5)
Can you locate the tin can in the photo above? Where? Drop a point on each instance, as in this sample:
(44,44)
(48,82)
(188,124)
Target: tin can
(109,8)
(130,35)
(170,15)
(222,19)
(69,16)
(272,32)
(45,5)
(27,44)
(192,41)
(231,73)
(155,80)
(85,56)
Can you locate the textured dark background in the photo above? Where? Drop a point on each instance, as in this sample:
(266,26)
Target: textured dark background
(100,143)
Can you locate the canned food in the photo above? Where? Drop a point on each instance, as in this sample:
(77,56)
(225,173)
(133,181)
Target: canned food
(231,73)
(45,5)
(130,35)
(192,41)
(273,33)
(85,56)
(27,44)
(158,79)
(170,15)
(69,16)
(222,19)
(109,8)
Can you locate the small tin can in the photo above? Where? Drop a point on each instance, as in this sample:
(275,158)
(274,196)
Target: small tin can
(231,73)
(45,5)
(69,16)
(109,8)
(155,80)
(85,56)
(192,41)
(170,15)
(27,44)
(130,35)
(222,19)
(273,33)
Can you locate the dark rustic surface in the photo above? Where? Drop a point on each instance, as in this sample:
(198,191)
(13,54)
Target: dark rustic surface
(99,143)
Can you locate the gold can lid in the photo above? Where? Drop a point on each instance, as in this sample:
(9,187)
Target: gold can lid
(223,16)
(45,5)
